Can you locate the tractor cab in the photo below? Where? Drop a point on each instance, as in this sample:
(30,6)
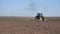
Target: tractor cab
(39,14)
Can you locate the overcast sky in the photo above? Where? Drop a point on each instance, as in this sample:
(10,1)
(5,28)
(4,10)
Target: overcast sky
(22,8)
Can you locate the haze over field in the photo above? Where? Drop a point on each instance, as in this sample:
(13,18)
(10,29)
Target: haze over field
(20,7)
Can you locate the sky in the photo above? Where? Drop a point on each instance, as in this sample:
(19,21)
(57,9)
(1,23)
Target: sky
(23,8)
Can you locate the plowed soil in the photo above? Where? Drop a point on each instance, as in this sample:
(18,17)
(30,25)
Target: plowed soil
(26,25)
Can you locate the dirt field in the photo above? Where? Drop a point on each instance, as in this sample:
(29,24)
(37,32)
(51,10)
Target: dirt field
(26,25)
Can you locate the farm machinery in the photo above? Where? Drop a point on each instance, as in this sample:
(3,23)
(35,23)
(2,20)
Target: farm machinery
(40,16)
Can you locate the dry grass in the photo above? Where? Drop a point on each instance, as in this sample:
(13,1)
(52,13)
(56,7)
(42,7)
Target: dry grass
(25,25)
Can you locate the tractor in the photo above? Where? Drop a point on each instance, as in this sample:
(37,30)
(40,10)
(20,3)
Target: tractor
(40,16)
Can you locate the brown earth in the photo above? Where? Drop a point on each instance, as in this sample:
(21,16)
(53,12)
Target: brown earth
(26,25)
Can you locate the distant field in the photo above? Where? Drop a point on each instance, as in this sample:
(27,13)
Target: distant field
(26,25)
